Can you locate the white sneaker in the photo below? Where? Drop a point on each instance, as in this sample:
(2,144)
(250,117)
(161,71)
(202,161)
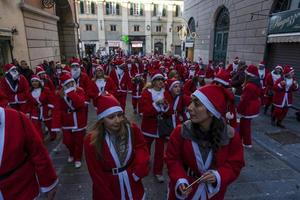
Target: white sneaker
(160,178)
(77,164)
(247,146)
(70,159)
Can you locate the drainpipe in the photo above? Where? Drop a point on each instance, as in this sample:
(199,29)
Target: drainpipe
(77,27)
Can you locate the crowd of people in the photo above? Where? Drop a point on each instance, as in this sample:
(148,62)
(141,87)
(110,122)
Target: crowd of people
(203,113)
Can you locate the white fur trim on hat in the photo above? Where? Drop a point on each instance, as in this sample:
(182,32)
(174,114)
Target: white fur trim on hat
(250,74)
(156,76)
(13,67)
(279,67)
(75,63)
(207,103)
(221,81)
(68,81)
(109,111)
(173,84)
(41,72)
(36,79)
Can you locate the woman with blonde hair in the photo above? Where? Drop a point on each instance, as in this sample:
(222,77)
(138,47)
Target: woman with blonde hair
(116,153)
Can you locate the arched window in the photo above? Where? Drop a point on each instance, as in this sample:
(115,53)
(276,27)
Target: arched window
(93,8)
(81,7)
(191,24)
(222,22)
(281,5)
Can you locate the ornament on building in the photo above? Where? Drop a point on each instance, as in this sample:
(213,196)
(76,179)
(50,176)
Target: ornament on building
(48,3)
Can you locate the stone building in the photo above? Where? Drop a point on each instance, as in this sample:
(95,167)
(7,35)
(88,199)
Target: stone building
(37,30)
(137,26)
(252,30)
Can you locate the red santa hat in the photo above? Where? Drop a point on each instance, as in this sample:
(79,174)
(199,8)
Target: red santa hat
(8,67)
(75,61)
(171,83)
(279,67)
(201,73)
(252,71)
(66,69)
(107,105)
(157,74)
(287,70)
(99,67)
(262,63)
(35,77)
(223,77)
(39,70)
(215,98)
(66,78)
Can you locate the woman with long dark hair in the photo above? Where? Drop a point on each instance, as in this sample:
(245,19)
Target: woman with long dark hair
(204,146)
(116,154)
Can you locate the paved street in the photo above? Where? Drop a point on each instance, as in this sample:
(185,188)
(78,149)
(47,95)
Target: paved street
(269,173)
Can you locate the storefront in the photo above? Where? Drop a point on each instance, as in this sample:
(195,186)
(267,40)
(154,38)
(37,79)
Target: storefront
(283,42)
(113,46)
(137,45)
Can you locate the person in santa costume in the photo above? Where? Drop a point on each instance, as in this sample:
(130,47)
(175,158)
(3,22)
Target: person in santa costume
(193,84)
(69,114)
(233,68)
(204,146)
(178,102)
(283,95)
(263,72)
(249,106)
(102,83)
(209,70)
(116,154)
(155,101)
(15,87)
(39,105)
(238,79)
(271,78)
(138,84)
(122,80)
(45,80)
(25,166)
(223,79)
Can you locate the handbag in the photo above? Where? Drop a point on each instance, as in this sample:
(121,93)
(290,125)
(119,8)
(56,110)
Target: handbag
(164,125)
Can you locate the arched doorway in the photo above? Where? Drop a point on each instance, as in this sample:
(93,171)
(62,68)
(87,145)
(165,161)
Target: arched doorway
(190,41)
(67,29)
(221,36)
(158,48)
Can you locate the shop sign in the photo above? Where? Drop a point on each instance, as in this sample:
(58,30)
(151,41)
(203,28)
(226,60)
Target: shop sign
(112,43)
(285,22)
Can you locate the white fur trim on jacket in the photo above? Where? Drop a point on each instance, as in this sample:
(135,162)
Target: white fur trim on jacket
(179,182)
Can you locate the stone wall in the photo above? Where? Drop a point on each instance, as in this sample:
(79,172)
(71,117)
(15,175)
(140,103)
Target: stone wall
(247,35)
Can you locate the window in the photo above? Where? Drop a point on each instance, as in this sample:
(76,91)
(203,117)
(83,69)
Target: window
(81,7)
(164,11)
(155,9)
(113,28)
(93,8)
(160,10)
(136,28)
(112,8)
(282,5)
(158,28)
(178,28)
(136,9)
(177,11)
(88,27)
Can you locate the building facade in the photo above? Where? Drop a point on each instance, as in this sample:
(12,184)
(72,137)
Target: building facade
(252,30)
(136,26)
(37,30)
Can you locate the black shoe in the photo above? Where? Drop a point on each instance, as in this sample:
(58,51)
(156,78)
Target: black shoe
(266,109)
(280,125)
(298,116)
(273,121)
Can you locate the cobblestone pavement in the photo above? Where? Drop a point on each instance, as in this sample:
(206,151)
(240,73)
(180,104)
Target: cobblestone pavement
(265,177)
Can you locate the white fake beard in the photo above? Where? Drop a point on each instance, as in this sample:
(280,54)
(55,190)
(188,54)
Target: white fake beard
(15,75)
(75,72)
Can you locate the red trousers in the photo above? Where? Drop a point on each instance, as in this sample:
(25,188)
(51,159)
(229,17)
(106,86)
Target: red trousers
(74,143)
(159,151)
(267,100)
(121,97)
(245,131)
(280,113)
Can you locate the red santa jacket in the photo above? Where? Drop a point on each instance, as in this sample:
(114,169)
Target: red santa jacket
(189,87)
(250,103)
(283,93)
(209,72)
(17,95)
(150,110)
(123,82)
(269,82)
(176,109)
(22,150)
(126,184)
(49,84)
(262,77)
(84,82)
(185,163)
(37,107)
(70,112)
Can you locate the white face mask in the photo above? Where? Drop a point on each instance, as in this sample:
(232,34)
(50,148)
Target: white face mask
(15,74)
(75,72)
(58,71)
